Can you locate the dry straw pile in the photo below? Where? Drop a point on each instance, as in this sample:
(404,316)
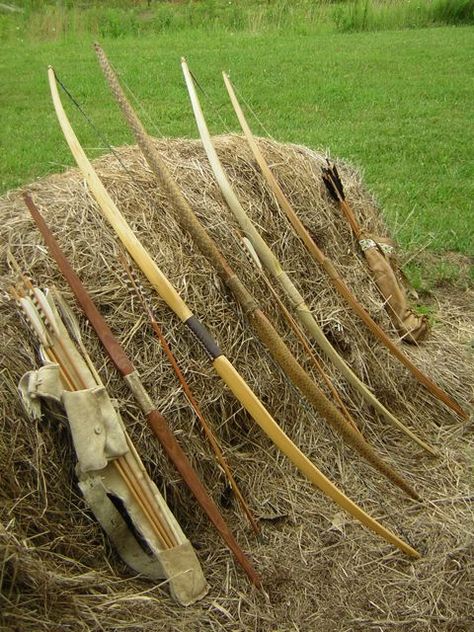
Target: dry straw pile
(322,570)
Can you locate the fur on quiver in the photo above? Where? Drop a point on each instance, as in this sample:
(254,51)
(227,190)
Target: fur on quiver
(57,568)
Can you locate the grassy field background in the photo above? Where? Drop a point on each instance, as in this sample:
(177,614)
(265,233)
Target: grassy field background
(397,103)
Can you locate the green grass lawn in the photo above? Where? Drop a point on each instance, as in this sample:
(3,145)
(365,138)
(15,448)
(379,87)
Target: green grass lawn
(396,103)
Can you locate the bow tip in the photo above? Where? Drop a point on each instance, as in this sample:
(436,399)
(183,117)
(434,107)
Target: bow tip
(26,196)
(51,74)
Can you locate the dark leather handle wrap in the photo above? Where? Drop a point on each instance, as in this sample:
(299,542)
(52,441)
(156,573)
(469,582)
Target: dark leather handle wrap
(203,336)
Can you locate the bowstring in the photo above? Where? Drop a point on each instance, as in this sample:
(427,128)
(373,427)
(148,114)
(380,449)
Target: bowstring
(151,122)
(89,120)
(210,100)
(241,98)
(252,111)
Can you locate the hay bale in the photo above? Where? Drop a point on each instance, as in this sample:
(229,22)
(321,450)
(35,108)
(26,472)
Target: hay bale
(321,569)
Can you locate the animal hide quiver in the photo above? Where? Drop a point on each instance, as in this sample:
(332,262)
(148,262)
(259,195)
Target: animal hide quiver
(101,443)
(378,252)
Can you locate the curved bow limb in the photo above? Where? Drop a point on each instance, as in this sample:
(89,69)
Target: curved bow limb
(222,366)
(262,327)
(272,264)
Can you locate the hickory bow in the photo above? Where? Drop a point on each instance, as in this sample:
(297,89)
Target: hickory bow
(260,323)
(327,265)
(124,365)
(272,264)
(220,363)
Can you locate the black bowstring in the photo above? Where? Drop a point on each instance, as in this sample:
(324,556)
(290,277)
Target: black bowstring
(251,110)
(101,136)
(208,97)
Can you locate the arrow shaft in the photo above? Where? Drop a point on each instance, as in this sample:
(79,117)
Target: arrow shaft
(58,353)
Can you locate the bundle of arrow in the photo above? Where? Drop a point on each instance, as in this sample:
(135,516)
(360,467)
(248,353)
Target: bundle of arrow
(377,427)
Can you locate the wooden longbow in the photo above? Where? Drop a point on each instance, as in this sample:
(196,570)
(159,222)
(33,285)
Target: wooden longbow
(263,328)
(327,265)
(220,363)
(135,285)
(272,264)
(155,419)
